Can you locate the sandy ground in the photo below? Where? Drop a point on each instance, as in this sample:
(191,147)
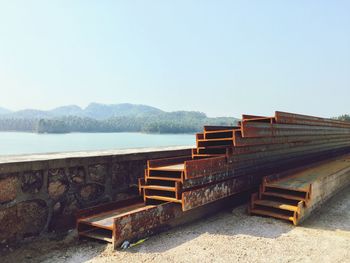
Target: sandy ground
(230,236)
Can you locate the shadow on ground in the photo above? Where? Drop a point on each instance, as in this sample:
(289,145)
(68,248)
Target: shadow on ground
(47,249)
(334,215)
(232,225)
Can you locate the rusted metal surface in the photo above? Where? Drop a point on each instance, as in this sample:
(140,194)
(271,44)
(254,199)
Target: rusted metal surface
(286,145)
(248,117)
(292,118)
(179,167)
(259,145)
(239,141)
(87,212)
(167,161)
(223,142)
(147,220)
(260,168)
(278,158)
(209,179)
(97,222)
(260,129)
(144,221)
(205,167)
(218,128)
(295,194)
(213,192)
(218,134)
(227,161)
(273,167)
(199,136)
(256,157)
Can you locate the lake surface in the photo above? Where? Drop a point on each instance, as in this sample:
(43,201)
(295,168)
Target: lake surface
(25,143)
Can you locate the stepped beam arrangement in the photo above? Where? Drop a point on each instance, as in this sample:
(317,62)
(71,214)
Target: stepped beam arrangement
(228,160)
(294,195)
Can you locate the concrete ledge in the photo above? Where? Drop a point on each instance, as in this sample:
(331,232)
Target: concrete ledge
(79,154)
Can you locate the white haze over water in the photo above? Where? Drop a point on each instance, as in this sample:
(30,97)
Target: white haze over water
(25,143)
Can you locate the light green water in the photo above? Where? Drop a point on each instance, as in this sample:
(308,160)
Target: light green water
(25,143)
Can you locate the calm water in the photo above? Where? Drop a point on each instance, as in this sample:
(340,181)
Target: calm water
(24,143)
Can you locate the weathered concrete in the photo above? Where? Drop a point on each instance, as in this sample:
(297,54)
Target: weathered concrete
(40,193)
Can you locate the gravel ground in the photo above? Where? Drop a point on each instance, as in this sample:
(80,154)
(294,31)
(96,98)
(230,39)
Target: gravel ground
(230,236)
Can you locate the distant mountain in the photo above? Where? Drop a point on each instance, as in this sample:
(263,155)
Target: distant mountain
(93,110)
(103,111)
(4,111)
(70,110)
(28,114)
(108,118)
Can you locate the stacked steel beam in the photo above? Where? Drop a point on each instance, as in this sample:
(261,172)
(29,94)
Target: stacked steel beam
(295,194)
(229,160)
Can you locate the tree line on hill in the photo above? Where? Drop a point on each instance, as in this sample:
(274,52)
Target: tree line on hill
(174,122)
(344,117)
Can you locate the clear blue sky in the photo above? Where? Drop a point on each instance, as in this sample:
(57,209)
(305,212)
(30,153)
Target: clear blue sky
(219,57)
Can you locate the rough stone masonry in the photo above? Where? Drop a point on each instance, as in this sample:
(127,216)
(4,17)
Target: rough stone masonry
(40,193)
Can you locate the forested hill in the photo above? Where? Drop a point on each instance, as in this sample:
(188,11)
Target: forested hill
(107,118)
(344,117)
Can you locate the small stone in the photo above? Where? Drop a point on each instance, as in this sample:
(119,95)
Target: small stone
(77,175)
(71,206)
(78,180)
(125,245)
(56,189)
(86,191)
(8,188)
(98,173)
(32,181)
(57,207)
(91,192)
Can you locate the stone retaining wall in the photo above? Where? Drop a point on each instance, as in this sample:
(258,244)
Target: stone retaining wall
(41,193)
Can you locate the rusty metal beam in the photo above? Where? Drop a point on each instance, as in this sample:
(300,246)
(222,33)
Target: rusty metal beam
(260,129)
(167,161)
(296,194)
(239,141)
(218,128)
(205,195)
(228,160)
(205,167)
(146,220)
(292,118)
(248,117)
